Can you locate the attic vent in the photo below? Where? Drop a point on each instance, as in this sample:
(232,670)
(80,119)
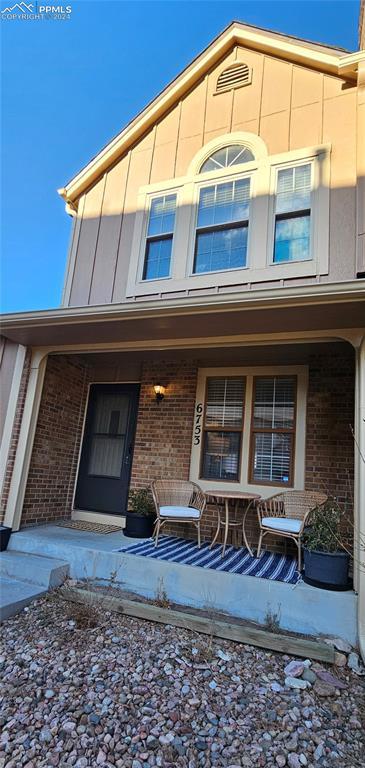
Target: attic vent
(234,76)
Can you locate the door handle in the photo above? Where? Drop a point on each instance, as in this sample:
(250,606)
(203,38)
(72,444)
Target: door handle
(128,454)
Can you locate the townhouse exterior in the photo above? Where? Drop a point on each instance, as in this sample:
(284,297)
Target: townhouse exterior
(217,250)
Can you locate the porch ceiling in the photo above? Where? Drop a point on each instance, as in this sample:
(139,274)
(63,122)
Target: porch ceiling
(192,318)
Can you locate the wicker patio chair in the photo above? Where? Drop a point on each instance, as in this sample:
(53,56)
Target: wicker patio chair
(286,514)
(178,501)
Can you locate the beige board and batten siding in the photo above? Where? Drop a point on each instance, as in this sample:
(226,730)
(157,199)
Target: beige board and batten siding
(289,106)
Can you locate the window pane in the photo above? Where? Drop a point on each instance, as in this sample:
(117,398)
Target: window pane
(221,249)
(292,239)
(110,416)
(106,456)
(223,203)
(162,215)
(158,257)
(224,403)
(221,455)
(227,156)
(274,403)
(272,457)
(293,189)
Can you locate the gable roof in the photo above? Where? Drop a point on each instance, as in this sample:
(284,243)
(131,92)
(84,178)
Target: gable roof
(324,58)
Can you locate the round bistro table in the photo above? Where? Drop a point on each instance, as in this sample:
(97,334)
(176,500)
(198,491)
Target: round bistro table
(222,499)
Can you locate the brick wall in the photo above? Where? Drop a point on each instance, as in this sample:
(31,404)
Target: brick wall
(53,465)
(15,435)
(330,412)
(164,430)
(163,441)
(330,445)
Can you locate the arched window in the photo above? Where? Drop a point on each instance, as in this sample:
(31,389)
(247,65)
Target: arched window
(235,154)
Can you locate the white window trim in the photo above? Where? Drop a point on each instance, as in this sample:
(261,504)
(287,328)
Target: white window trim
(319,208)
(259,266)
(272,217)
(141,230)
(243,484)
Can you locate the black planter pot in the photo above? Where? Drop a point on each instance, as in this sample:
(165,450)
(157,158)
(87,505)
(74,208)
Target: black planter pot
(138,526)
(327,570)
(5,533)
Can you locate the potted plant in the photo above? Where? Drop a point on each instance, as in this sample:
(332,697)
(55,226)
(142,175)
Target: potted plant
(326,562)
(141,514)
(5,533)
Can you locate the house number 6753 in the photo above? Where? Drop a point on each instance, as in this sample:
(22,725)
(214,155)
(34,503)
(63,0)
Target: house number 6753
(197,425)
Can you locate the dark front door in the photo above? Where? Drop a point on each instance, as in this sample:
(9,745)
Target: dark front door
(107,449)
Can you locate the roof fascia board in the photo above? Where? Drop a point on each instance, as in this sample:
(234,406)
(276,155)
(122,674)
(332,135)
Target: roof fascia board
(236,34)
(311,295)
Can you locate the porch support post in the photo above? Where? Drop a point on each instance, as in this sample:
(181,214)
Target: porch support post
(359,511)
(11,412)
(25,441)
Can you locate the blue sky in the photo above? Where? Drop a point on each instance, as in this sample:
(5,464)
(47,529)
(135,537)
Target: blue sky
(68,87)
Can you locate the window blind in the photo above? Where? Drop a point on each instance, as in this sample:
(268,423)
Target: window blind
(293,189)
(274,403)
(224,405)
(162,215)
(223,422)
(272,428)
(224,203)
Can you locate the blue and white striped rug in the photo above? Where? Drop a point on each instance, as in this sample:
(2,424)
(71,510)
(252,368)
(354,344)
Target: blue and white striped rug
(267,566)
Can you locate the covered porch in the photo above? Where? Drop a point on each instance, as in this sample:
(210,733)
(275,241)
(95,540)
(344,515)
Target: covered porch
(173,440)
(300,344)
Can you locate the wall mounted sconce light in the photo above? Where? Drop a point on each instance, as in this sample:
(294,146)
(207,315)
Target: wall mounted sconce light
(159,392)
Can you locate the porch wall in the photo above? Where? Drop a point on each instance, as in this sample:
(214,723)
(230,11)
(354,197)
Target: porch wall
(53,466)
(164,432)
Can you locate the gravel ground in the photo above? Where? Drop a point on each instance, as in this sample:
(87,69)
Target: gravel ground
(85,689)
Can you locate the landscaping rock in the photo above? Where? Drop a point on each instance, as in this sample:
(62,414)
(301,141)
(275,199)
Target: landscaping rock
(296,682)
(340,659)
(293,760)
(324,689)
(353,662)
(328,677)
(309,676)
(294,669)
(149,701)
(339,644)
(280,760)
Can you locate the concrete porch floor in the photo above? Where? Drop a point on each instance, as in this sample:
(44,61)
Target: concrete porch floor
(299,608)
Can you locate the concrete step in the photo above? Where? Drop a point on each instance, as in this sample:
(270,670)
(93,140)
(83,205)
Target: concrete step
(46,572)
(15,595)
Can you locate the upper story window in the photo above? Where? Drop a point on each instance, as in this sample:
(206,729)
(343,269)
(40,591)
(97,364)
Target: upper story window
(238,217)
(222,226)
(160,234)
(292,214)
(226,157)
